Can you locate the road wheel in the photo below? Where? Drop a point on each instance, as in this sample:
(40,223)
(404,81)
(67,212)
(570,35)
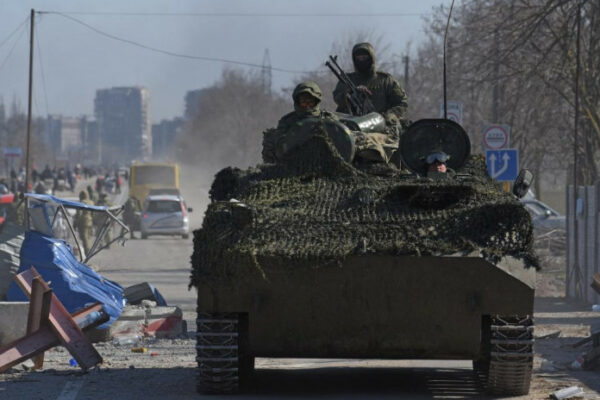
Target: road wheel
(185,235)
(222,347)
(510,355)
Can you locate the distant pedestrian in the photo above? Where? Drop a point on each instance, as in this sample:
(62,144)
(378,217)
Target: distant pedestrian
(91,194)
(118,182)
(100,219)
(129,216)
(83,223)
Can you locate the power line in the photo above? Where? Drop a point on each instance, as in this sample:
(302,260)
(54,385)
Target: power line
(13,32)
(167,52)
(14,45)
(245,15)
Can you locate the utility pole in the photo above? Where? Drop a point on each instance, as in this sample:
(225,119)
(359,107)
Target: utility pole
(577,288)
(29,111)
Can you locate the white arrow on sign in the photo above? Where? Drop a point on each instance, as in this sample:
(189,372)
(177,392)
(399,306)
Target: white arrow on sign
(505,158)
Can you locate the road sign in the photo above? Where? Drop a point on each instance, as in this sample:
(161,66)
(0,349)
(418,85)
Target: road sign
(8,152)
(503,165)
(496,136)
(454,111)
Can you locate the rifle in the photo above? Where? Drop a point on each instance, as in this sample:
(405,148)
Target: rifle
(359,102)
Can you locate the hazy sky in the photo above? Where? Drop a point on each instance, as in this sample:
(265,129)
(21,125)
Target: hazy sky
(76,61)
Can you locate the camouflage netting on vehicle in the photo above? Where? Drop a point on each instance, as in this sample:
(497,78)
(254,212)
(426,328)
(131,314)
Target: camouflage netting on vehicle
(314,210)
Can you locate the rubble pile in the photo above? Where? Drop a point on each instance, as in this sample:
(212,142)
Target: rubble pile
(315,209)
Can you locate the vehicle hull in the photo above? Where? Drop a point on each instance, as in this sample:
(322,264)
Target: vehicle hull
(391,307)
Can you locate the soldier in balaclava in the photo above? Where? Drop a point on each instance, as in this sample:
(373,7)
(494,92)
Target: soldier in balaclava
(383,89)
(307,98)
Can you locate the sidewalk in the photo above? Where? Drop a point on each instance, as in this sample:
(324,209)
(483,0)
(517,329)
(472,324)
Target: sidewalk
(554,356)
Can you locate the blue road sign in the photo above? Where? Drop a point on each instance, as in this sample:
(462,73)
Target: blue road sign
(503,165)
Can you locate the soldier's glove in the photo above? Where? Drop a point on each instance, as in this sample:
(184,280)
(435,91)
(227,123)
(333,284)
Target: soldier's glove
(391,119)
(365,90)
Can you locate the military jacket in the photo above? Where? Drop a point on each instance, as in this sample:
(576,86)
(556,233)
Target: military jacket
(274,138)
(387,95)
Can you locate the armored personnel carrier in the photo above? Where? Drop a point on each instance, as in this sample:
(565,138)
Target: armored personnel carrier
(316,257)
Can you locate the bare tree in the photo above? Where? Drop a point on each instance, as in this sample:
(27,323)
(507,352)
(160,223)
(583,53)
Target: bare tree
(227,129)
(513,61)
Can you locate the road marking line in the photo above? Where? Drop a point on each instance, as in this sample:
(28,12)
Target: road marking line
(70,390)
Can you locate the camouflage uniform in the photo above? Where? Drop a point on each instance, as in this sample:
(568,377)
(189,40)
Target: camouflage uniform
(387,97)
(273,138)
(83,223)
(15,212)
(100,219)
(91,194)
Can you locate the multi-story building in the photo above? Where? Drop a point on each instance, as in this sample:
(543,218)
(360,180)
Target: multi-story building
(92,148)
(193,102)
(123,117)
(164,135)
(65,136)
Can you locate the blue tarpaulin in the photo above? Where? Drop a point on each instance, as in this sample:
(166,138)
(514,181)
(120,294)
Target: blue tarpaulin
(46,198)
(75,284)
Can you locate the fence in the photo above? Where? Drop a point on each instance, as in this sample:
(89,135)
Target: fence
(583,249)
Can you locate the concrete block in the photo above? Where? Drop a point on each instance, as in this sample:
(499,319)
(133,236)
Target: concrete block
(11,239)
(130,322)
(165,322)
(13,320)
(160,322)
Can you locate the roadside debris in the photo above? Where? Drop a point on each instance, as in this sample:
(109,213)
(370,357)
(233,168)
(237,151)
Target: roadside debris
(49,324)
(552,335)
(126,340)
(567,393)
(596,283)
(11,239)
(139,349)
(51,246)
(591,359)
(148,320)
(143,291)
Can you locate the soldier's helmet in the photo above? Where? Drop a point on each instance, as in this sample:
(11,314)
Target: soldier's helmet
(83,195)
(309,87)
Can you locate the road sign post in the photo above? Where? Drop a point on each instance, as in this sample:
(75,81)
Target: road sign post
(12,152)
(455,111)
(495,136)
(503,165)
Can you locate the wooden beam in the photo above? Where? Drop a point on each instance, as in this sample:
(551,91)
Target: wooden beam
(39,309)
(43,339)
(62,324)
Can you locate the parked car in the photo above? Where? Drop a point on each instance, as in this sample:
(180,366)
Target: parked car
(543,216)
(165,215)
(110,184)
(6,198)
